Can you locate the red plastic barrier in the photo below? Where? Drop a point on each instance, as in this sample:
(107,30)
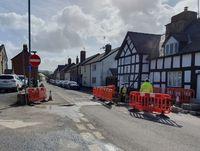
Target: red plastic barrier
(157,90)
(32,94)
(151,102)
(188,94)
(184,95)
(105,93)
(37,94)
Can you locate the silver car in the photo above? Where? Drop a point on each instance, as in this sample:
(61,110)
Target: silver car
(10,82)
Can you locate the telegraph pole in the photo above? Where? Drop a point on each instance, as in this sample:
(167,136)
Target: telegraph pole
(29,40)
(198,8)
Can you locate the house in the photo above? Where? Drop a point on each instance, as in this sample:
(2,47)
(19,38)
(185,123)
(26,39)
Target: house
(3,59)
(178,62)
(132,58)
(57,72)
(75,70)
(20,63)
(100,66)
(63,70)
(86,72)
(170,60)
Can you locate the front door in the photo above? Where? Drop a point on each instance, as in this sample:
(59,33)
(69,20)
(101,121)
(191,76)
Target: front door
(198,86)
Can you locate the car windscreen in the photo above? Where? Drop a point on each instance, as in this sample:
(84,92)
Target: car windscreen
(6,77)
(21,78)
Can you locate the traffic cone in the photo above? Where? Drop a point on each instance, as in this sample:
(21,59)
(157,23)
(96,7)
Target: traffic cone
(50,96)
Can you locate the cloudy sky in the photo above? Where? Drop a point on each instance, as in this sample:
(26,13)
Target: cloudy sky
(61,28)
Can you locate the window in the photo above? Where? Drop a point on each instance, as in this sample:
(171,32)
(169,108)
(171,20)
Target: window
(126,78)
(167,50)
(171,48)
(93,80)
(94,67)
(84,68)
(127,60)
(176,47)
(174,79)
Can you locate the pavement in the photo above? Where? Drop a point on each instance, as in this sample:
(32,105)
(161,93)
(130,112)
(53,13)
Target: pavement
(73,121)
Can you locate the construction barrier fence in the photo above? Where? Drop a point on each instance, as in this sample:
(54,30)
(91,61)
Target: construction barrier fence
(151,102)
(37,94)
(179,94)
(105,93)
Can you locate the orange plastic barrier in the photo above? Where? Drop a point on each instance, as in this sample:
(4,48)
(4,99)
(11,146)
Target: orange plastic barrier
(151,102)
(105,93)
(37,94)
(184,95)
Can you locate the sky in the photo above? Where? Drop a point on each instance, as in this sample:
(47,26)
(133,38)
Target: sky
(62,28)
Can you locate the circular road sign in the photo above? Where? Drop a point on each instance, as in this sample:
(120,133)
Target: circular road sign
(35,60)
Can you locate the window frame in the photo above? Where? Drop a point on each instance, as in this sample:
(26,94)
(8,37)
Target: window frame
(172,80)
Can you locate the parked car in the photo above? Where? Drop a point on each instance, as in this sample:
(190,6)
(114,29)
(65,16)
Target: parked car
(73,85)
(65,84)
(24,80)
(52,81)
(10,82)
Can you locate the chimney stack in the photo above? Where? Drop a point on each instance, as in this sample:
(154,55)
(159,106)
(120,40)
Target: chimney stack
(108,48)
(25,47)
(77,60)
(69,61)
(82,55)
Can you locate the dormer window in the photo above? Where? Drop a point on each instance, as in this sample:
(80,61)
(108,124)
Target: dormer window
(171,49)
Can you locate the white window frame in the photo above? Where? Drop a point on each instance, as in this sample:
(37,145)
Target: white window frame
(174,79)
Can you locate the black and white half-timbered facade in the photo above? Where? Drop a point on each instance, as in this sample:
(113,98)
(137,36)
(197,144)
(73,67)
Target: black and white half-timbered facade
(178,63)
(132,58)
(170,60)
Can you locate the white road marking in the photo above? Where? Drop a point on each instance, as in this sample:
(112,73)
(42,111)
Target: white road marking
(110,147)
(81,127)
(98,135)
(76,120)
(87,136)
(13,124)
(84,119)
(91,126)
(94,147)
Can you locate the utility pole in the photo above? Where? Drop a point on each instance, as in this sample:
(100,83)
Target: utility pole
(29,40)
(198,8)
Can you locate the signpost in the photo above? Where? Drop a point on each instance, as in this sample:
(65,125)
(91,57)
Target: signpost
(34,63)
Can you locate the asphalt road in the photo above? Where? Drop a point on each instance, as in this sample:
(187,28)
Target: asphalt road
(73,122)
(7,99)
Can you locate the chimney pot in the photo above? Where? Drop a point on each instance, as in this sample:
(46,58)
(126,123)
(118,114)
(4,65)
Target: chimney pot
(185,8)
(69,61)
(77,60)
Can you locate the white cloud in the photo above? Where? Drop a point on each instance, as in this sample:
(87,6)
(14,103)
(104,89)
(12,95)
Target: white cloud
(16,21)
(84,24)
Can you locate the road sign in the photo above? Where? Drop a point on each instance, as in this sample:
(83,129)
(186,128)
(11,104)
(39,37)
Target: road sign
(35,60)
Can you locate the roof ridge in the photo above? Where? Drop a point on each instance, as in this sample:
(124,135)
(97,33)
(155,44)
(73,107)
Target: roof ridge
(144,33)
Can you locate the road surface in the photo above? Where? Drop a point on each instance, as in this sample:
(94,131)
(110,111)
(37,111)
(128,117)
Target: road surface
(73,122)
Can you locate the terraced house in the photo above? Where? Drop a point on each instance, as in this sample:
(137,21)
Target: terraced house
(169,60)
